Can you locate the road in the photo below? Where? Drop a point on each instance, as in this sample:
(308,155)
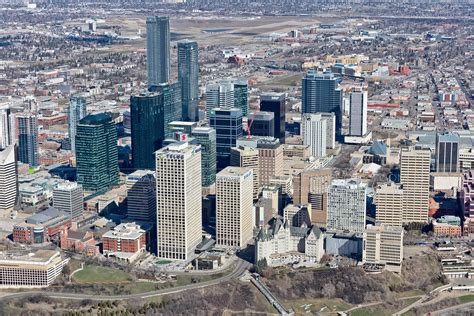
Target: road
(238,271)
(463,309)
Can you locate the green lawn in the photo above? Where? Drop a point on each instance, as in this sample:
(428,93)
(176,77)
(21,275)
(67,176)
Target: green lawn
(410,293)
(96,274)
(163,261)
(370,311)
(466,298)
(328,305)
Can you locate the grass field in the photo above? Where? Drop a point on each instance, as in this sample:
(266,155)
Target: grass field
(96,274)
(466,298)
(318,305)
(410,293)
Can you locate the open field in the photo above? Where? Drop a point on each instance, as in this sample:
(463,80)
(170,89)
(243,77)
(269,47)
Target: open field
(96,274)
(317,305)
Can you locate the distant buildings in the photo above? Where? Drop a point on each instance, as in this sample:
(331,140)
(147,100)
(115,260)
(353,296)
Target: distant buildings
(314,129)
(358,113)
(77,111)
(141,196)
(68,198)
(320,93)
(383,246)
(178,199)
(347,205)
(8,178)
(283,244)
(415,178)
(30,270)
(206,137)
(27,131)
(188,77)
(96,152)
(274,102)
(158,49)
(447,153)
(219,95)
(234,207)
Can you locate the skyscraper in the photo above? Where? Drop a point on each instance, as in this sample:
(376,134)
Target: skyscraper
(275,102)
(358,113)
(219,95)
(178,199)
(76,112)
(314,129)
(188,77)
(68,197)
(415,177)
(96,152)
(262,124)
(206,137)
(331,129)
(270,159)
(148,130)
(320,93)
(8,178)
(389,204)
(158,49)
(172,105)
(447,153)
(383,245)
(347,205)
(5,127)
(27,129)
(241,95)
(228,125)
(234,207)
(141,196)
(247,157)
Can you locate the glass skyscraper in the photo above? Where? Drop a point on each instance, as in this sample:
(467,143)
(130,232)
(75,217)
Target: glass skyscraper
(188,77)
(241,96)
(76,112)
(447,153)
(228,125)
(27,129)
(158,49)
(275,102)
(320,93)
(206,137)
(172,104)
(96,152)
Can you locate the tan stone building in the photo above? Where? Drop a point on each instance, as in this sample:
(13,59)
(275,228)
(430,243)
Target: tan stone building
(247,157)
(389,204)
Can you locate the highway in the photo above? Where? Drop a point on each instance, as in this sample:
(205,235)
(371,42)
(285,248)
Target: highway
(238,271)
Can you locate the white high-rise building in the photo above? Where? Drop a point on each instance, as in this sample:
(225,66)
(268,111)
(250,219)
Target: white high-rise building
(178,200)
(415,178)
(347,205)
(8,178)
(389,203)
(234,207)
(141,196)
(331,129)
(219,95)
(383,245)
(5,127)
(358,113)
(68,197)
(314,129)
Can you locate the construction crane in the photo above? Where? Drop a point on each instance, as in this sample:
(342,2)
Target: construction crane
(250,122)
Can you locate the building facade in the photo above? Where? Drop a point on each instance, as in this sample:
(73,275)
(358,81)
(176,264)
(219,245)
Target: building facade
(27,135)
(389,204)
(270,159)
(141,196)
(276,103)
(206,137)
(241,96)
(219,95)
(247,157)
(383,245)
(158,49)
(314,129)
(358,113)
(262,124)
(6,131)
(68,197)
(447,153)
(77,111)
(188,77)
(8,178)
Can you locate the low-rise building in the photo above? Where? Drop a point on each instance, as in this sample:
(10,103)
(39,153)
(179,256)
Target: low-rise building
(383,246)
(447,226)
(81,242)
(126,241)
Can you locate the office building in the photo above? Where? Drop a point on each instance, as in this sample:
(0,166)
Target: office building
(275,102)
(466,159)
(314,129)
(347,205)
(247,157)
(77,111)
(241,98)
(298,215)
(320,93)
(68,198)
(219,95)
(270,159)
(30,270)
(182,127)
(125,241)
(6,132)
(389,204)
(447,153)
(188,77)
(206,137)
(158,49)
(262,124)
(228,125)
(96,152)
(8,178)
(234,207)
(141,196)
(415,178)
(358,113)
(27,131)
(178,201)
(331,129)
(383,246)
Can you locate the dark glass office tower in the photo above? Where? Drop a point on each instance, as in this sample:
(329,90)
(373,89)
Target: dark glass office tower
(148,130)
(27,129)
(228,125)
(275,102)
(96,152)
(262,124)
(76,111)
(172,104)
(188,77)
(206,137)
(241,96)
(158,49)
(447,153)
(320,93)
